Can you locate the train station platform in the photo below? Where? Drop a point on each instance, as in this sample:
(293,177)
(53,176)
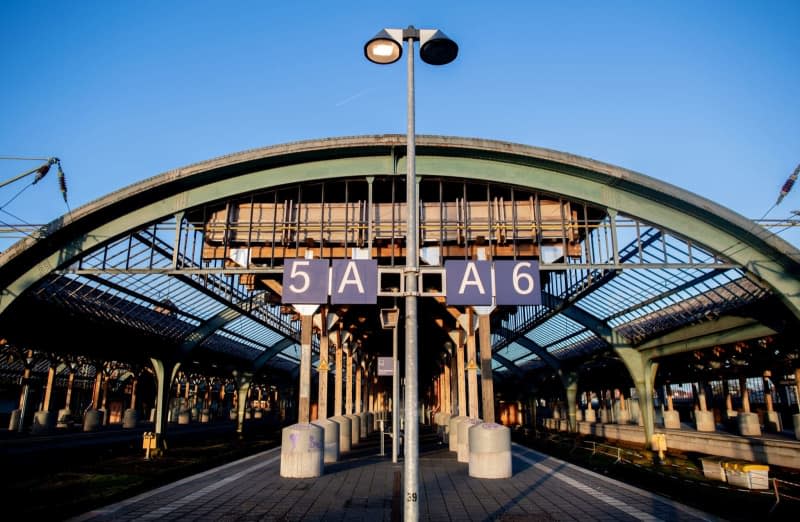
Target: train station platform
(364,485)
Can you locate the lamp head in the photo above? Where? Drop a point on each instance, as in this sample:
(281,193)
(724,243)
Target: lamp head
(389,317)
(436,48)
(385,47)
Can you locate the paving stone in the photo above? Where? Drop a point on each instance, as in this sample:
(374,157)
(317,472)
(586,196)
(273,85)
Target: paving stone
(362,486)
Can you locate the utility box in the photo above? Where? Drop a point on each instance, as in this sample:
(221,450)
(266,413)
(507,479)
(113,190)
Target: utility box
(712,468)
(148,443)
(746,475)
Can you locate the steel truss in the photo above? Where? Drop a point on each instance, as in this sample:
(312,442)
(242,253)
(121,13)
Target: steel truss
(180,273)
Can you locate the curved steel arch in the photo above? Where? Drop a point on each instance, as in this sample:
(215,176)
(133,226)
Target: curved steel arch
(688,215)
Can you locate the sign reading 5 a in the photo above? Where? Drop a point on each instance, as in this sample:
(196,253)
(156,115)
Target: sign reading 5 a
(476,282)
(348,281)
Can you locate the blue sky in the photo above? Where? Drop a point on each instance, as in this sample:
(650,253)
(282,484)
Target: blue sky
(700,94)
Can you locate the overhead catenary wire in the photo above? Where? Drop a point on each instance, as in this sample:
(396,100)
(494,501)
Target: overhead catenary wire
(785,189)
(18,194)
(787,186)
(26,158)
(39,173)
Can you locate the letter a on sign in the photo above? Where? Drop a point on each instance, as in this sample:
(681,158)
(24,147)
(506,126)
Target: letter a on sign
(354,281)
(468,282)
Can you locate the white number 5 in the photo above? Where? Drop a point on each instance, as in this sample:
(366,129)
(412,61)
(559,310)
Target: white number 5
(296,272)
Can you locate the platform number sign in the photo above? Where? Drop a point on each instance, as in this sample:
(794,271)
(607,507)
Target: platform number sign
(477,282)
(517,283)
(468,282)
(348,281)
(305,281)
(354,281)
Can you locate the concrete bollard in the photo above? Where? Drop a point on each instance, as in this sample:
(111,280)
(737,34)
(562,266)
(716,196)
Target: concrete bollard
(362,425)
(489,451)
(704,421)
(64,418)
(636,412)
(331,438)
(355,430)
(42,422)
(672,420)
(590,415)
(463,438)
(258,413)
(453,429)
(13,421)
(130,418)
(444,428)
(184,417)
(345,433)
(205,416)
(92,420)
(796,423)
(749,425)
(370,422)
(773,422)
(302,452)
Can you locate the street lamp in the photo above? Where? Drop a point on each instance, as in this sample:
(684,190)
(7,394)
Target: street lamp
(436,49)
(387,46)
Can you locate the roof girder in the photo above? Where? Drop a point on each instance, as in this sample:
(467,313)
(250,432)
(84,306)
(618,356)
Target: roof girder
(575,178)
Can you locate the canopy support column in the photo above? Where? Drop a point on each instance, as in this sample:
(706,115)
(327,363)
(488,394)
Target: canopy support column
(243,382)
(643,371)
(487,384)
(165,371)
(570,381)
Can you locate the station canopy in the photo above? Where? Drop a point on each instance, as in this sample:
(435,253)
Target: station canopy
(189,265)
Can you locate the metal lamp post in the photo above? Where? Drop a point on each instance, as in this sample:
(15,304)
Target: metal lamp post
(436,49)
(389,319)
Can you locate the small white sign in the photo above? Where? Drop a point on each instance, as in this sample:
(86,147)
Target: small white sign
(385,367)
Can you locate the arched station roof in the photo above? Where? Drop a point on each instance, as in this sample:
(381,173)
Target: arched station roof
(657,268)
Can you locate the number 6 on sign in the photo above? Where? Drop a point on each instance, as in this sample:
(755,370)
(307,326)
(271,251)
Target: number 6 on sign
(517,283)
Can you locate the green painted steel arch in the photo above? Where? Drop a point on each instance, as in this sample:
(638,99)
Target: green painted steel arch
(688,215)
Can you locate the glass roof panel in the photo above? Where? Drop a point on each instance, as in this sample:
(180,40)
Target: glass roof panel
(259,336)
(514,351)
(553,331)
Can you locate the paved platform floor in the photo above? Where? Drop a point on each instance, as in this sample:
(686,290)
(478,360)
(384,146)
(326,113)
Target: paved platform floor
(364,486)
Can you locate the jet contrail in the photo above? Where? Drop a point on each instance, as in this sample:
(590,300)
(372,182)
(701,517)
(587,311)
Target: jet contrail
(353,97)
